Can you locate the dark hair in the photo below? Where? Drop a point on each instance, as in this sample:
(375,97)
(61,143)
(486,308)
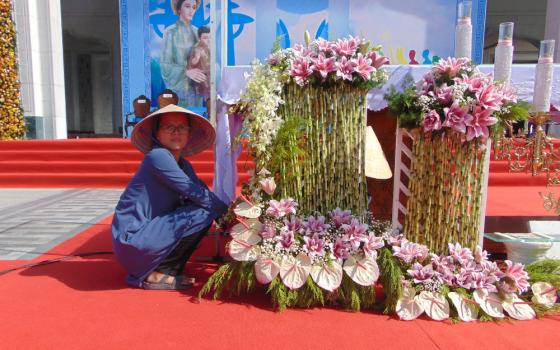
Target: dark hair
(179,3)
(157,121)
(203,30)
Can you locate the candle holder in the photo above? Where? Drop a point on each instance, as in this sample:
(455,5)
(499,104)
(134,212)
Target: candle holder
(504,53)
(463,30)
(535,152)
(543,77)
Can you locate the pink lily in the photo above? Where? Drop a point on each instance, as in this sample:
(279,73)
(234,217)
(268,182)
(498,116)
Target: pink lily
(487,98)
(345,47)
(362,66)
(517,274)
(455,117)
(294,224)
(314,245)
(421,273)
(372,243)
(268,231)
(344,69)
(444,94)
(478,125)
(474,83)
(409,251)
(316,225)
(340,217)
(323,45)
(377,60)
(451,66)
(268,185)
(354,233)
(431,121)
(340,249)
(323,65)
(300,70)
(285,240)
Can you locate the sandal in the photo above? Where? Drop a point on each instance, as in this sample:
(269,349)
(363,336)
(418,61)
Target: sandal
(179,283)
(185,279)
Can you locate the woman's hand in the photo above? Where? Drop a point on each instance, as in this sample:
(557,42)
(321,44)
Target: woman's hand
(196,75)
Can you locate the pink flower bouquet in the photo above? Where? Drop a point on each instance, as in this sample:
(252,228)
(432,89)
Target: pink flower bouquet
(351,60)
(455,96)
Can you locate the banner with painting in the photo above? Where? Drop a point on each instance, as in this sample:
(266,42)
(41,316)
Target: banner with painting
(179,50)
(410,31)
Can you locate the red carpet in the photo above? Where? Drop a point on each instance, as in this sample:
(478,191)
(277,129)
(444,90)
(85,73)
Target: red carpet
(83,163)
(83,303)
(112,162)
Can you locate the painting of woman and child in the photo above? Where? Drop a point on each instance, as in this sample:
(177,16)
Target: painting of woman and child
(180,51)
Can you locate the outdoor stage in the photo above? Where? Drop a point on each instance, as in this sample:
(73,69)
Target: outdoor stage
(83,303)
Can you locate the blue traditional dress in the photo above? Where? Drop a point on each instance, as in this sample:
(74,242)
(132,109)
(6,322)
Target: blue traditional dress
(164,202)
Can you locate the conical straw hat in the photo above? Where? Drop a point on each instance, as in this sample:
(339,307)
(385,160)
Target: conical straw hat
(376,165)
(201,136)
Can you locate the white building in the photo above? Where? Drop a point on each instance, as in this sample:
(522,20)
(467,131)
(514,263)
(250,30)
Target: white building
(70,58)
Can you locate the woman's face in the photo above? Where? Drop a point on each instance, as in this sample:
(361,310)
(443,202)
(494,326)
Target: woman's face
(187,10)
(173,132)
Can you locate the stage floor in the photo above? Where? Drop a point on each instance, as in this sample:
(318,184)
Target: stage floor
(84,303)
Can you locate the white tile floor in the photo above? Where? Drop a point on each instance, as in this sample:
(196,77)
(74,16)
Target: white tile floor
(33,221)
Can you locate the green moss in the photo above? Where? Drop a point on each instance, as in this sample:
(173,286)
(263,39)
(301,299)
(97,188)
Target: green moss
(390,277)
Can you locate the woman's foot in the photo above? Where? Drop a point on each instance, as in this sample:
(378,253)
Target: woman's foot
(161,281)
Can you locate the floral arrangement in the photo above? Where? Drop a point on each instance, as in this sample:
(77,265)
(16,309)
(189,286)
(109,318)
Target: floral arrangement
(351,61)
(11,114)
(456,97)
(306,259)
(301,228)
(313,260)
(475,286)
(304,115)
(452,111)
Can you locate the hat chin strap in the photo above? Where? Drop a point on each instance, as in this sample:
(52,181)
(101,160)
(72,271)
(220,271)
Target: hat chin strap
(156,143)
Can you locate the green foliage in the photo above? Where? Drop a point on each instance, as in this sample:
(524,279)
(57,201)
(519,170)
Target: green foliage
(514,112)
(483,316)
(216,282)
(390,279)
(285,147)
(550,266)
(547,270)
(277,44)
(403,105)
(309,295)
(541,310)
(355,297)
(278,293)
(312,295)
(236,277)
(444,290)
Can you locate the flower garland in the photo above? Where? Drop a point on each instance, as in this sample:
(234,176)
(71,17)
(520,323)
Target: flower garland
(11,114)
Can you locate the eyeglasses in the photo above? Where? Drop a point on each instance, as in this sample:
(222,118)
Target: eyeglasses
(170,129)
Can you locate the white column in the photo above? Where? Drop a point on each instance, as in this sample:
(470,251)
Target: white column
(552,28)
(40,53)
